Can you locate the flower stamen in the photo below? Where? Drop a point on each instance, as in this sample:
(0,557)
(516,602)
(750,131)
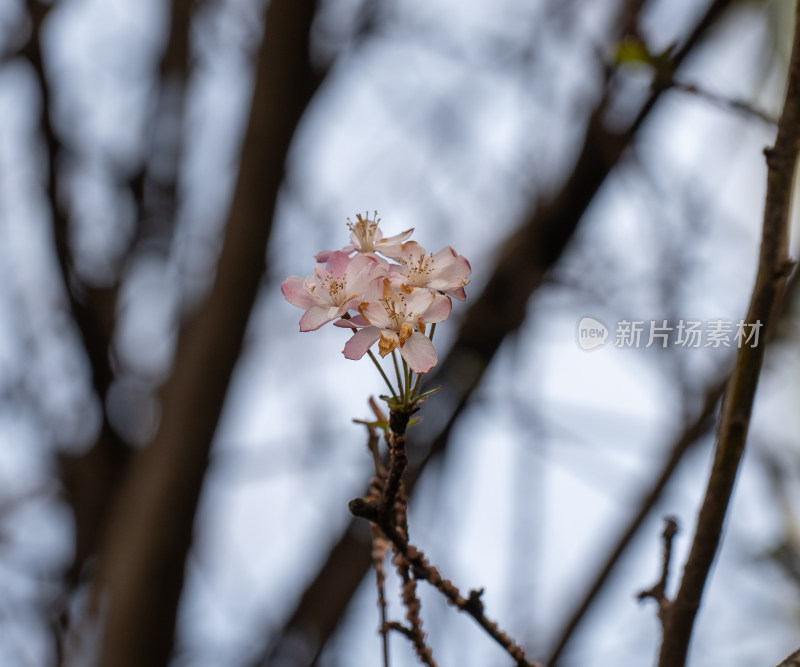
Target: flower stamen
(386,343)
(365,231)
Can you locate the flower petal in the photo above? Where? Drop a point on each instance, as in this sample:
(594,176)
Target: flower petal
(360,342)
(392,246)
(355,321)
(456,292)
(451,273)
(316,316)
(397,239)
(450,265)
(439,310)
(337,263)
(375,313)
(361,274)
(294,291)
(419,352)
(419,300)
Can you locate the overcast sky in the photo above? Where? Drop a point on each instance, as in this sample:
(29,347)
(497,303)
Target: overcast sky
(449,118)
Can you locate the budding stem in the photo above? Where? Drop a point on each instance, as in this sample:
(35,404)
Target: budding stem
(400,389)
(383,375)
(416,385)
(407,375)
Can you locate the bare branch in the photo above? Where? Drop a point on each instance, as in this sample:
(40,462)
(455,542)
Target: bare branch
(422,569)
(773,269)
(408,594)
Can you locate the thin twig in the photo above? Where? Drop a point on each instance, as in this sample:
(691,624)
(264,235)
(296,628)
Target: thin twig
(388,512)
(734,104)
(398,627)
(412,604)
(387,500)
(422,569)
(659,591)
(380,546)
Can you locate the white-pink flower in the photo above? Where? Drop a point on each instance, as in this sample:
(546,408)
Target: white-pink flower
(397,321)
(335,288)
(446,271)
(366,238)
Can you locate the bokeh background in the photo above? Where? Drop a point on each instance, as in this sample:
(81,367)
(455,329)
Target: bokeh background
(167,435)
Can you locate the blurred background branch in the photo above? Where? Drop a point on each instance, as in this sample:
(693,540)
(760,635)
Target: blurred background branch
(176,462)
(141,566)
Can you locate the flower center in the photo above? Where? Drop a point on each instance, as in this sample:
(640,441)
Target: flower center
(365,231)
(419,268)
(336,290)
(396,309)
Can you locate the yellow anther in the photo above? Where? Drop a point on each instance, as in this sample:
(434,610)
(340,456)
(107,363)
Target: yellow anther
(405,332)
(386,344)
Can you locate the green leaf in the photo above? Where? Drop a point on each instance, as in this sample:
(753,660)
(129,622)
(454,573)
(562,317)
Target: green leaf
(633,50)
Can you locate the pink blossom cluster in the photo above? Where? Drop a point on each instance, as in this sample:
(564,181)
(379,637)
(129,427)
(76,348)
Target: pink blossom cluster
(387,290)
